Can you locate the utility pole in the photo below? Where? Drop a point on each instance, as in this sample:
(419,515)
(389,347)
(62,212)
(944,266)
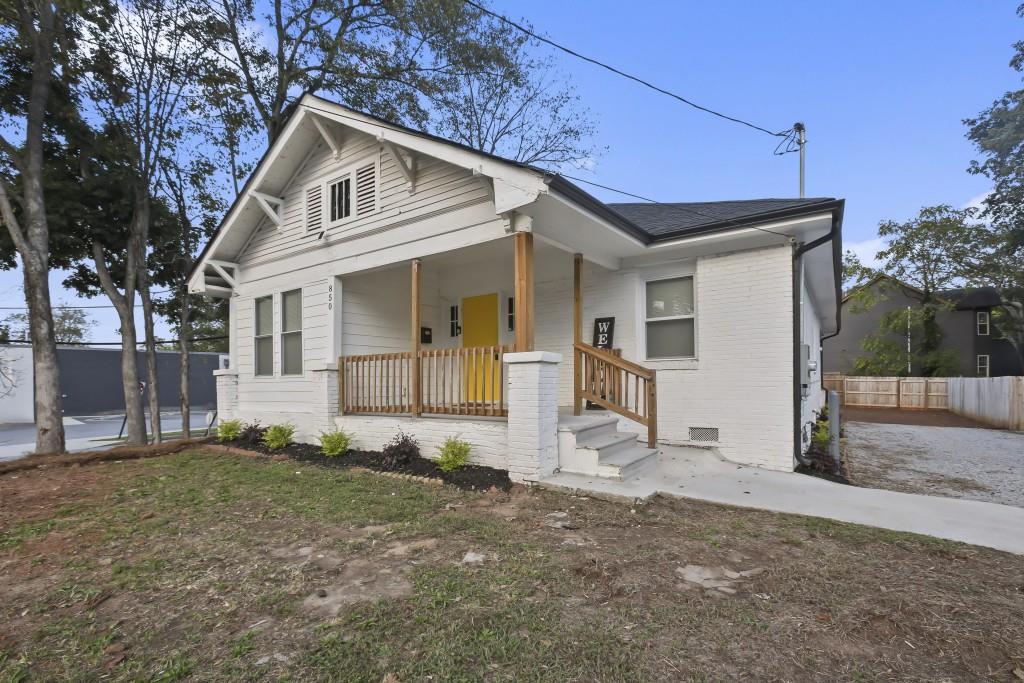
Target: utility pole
(801,131)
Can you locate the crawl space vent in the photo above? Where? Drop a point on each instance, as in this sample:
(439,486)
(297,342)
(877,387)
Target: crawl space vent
(704,434)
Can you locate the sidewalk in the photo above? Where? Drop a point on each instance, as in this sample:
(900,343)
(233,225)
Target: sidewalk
(702,475)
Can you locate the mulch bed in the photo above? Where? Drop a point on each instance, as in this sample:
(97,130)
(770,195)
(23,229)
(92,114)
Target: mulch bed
(468,478)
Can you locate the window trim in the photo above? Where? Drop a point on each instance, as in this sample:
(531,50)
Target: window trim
(336,175)
(988,365)
(643,320)
(978,323)
(282,332)
(256,337)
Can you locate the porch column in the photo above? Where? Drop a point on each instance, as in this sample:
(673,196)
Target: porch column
(414,383)
(577,330)
(532,414)
(524,291)
(227,393)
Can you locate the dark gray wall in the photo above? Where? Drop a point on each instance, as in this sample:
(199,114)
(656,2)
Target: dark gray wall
(90,379)
(959,333)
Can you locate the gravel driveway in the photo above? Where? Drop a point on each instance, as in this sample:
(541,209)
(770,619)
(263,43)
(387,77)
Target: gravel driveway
(958,462)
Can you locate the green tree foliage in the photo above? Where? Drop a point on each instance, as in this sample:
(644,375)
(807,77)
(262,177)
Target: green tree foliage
(939,249)
(998,135)
(70,325)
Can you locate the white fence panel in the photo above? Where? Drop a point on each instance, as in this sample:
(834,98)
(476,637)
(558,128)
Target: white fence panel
(997,401)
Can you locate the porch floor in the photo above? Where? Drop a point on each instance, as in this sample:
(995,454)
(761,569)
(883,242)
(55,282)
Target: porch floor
(700,474)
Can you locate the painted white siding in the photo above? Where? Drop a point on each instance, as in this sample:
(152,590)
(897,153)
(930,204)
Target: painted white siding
(810,333)
(440,188)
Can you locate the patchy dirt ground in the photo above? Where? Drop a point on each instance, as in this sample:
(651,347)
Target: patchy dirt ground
(980,464)
(211,567)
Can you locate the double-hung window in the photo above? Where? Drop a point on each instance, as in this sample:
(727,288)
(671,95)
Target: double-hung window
(291,332)
(983,323)
(983,363)
(669,318)
(263,339)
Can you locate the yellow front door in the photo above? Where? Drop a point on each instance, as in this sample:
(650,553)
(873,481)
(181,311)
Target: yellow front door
(480,328)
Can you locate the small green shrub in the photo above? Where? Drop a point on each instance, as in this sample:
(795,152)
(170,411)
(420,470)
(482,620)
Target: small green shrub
(278,436)
(399,452)
(229,430)
(336,443)
(454,454)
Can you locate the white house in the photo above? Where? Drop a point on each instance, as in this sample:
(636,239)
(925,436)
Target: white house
(383,278)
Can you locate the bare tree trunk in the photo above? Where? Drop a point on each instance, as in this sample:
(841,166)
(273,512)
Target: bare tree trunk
(38,24)
(152,388)
(183,344)
(135,418)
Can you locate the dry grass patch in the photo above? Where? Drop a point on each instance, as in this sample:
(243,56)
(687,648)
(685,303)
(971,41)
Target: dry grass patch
(225,568)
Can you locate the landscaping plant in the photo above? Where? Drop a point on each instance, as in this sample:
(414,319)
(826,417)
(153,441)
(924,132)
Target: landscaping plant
(454,454)
(229,430)
(278,436)
(400,451)
(252,434)
(335,444)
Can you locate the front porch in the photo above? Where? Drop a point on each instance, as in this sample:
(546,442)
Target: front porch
(433,336)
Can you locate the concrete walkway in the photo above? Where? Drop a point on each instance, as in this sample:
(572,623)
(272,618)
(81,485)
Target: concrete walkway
(702,475)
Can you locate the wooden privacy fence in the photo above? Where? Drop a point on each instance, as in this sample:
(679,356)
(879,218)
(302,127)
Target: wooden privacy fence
(911,393)
(996,401)
(457,381)
(603,378)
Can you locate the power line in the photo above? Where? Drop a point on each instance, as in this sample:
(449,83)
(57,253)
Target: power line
(78,308)
(426,136)
(631,77)
(8,342)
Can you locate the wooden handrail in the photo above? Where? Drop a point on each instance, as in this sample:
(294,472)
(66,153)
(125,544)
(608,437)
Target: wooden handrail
(616,384)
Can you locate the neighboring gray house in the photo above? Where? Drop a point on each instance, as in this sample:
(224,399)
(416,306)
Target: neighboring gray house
(967,328)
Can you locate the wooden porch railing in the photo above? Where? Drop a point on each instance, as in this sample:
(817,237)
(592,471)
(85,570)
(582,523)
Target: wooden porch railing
(619,385)
(378,383)
(456,381)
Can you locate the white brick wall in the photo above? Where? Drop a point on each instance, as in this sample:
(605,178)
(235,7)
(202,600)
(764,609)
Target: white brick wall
(742,381)
(532,414)
(487,437)
(227,394)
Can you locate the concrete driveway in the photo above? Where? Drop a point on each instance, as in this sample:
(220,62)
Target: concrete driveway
(84,432)
(955,462)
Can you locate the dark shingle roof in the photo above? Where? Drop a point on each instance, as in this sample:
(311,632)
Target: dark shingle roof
(663,220)
(972,297)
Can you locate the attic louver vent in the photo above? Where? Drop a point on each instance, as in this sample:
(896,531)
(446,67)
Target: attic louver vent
(314,208)
(366,189)
(704,434)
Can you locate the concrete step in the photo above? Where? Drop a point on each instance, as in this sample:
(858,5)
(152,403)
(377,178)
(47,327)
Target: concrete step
(626,463)
(606,443)
(587,426)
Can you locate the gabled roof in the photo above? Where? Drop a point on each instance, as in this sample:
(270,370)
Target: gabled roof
(647,224)
(964,298)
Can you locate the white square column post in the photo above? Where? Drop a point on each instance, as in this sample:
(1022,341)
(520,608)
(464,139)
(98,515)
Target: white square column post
(532,414)
(227,393)
(325,406)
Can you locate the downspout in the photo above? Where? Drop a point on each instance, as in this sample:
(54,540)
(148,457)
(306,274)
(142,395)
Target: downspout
(798,251)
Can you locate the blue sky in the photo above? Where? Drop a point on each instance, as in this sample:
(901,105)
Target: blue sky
(882,87)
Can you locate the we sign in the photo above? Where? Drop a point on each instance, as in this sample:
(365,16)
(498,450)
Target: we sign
(604,332)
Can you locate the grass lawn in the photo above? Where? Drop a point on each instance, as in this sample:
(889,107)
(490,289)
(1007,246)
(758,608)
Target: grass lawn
(212,567)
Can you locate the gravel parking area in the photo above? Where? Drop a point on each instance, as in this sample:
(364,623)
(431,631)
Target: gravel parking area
(958,462)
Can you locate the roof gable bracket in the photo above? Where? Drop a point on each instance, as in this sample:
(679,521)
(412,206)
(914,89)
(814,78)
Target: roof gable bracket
(407,168)
(222,268)
(332,140)
(270,205)
(485,182)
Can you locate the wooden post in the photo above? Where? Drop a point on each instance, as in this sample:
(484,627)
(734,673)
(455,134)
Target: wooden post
(341,385)
(577,330)
(414,379)
(524,290)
